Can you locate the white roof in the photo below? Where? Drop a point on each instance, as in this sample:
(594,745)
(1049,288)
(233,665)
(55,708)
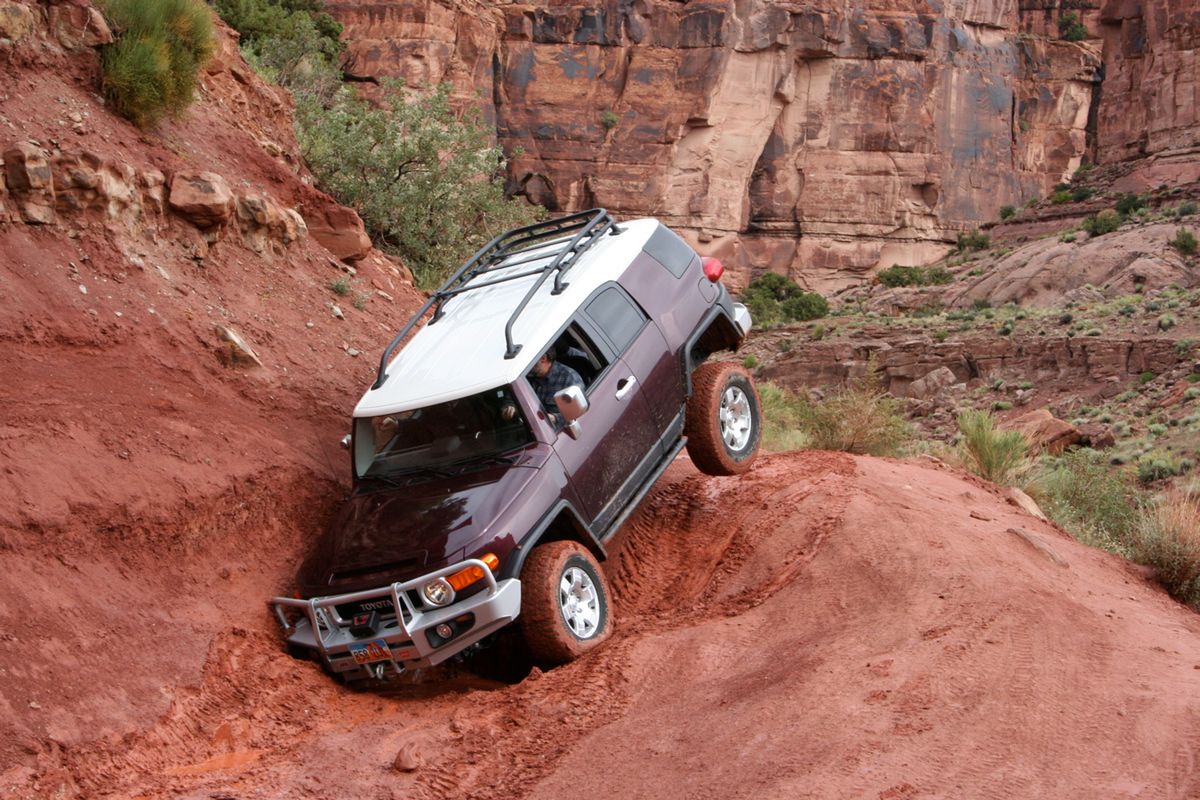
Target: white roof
(463,353)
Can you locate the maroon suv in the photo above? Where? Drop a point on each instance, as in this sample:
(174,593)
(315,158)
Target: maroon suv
(476,503)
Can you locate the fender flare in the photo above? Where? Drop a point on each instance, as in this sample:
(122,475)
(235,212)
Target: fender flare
(582,534)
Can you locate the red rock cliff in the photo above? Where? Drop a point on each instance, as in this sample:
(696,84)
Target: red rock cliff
(823,139)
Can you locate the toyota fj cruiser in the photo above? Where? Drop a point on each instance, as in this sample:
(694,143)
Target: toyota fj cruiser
(474,505)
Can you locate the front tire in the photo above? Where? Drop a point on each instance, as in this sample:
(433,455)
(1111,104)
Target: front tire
(564,603)
(724,419)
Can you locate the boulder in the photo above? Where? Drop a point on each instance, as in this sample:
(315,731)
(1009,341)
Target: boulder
(17,20)
(202,198)
(932,384)
(340,231)
(30,179)
(78,26)
(1044,431)
(1096,435)
(266,224)
(89,184)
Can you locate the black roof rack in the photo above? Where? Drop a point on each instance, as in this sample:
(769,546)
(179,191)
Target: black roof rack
(571,237)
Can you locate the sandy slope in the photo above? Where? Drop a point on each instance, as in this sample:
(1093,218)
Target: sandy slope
(826,626)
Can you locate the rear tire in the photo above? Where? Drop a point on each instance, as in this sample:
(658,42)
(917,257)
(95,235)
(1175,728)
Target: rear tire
(564,603)
(724,419)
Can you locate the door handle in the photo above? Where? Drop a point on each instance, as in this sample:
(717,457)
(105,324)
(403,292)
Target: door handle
(625,386)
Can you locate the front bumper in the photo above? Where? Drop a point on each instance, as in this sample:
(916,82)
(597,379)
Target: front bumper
(407,629)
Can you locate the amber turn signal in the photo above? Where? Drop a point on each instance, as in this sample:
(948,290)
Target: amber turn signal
(465,577)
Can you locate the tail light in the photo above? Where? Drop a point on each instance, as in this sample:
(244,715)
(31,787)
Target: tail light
(713,268)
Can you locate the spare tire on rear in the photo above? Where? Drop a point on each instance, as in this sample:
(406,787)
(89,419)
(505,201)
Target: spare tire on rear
(724,419)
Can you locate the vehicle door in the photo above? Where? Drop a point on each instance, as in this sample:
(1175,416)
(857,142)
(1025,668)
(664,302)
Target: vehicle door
(618,443)
(651,362)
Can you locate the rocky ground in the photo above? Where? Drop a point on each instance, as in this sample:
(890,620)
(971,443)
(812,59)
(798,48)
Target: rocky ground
(827,626)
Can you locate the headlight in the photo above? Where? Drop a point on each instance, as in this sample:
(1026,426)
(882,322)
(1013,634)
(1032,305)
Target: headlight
(437,592)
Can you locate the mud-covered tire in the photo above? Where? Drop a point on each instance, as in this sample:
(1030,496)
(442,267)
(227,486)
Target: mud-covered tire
(564,603)
(724,419)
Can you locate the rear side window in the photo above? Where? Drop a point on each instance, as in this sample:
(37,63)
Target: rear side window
(669,250)
(617,317)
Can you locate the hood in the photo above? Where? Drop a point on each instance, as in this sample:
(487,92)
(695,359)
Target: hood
(401,532)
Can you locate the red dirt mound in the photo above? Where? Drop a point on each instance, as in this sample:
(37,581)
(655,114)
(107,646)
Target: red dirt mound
(825,626)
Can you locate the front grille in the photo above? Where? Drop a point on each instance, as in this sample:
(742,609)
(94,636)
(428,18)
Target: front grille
(381,604)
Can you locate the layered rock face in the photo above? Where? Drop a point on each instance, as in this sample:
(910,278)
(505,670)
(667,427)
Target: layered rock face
(823,140)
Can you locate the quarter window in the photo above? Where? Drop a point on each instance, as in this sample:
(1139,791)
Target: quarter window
(617,317)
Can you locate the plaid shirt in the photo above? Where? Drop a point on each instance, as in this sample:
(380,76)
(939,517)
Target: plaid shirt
(558,378)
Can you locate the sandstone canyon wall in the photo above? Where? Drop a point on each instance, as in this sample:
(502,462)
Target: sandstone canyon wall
(821,139)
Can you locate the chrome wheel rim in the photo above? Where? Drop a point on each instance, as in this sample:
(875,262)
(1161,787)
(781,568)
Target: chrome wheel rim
(737,422)
(579,602)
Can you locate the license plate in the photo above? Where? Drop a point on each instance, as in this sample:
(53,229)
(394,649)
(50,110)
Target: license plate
(368,652)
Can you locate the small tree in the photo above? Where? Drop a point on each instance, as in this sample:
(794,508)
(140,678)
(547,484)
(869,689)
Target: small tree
(1071,28)
(425,181)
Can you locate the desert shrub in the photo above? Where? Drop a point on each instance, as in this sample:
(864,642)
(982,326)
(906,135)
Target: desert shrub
(994,455)
(150,70)
(293,43)
(1070,28)
(1186,208)
(775,299)
(1128,203)
(1166,322)
(973,240)
(750,361)
(1094,504)
(1146,377)
(861,418)
(340,286)
(1159,465)
(1168,539)
(1184,242)
(425,180)
(782,418)
(1007,212)
(914,276)
(1081,193)
(1106,221)
(1060,197)
(609,119)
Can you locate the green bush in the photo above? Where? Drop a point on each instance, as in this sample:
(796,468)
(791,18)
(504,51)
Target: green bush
(1186,208)
(1159,465)
(861,418)
(782,418)
(774,299)
(1106,221)
(973,240)
(1166,322)
(1081,193)
(1128,203)
(609,119)
(1007,212)
(914,276)
(424,180)
(1096,505)
(1071,28)
(1184,242)
(750,361)
(1060,197)
(997,456)
(150,70)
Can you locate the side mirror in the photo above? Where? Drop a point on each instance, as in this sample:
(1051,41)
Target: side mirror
(572,404)
(346,442)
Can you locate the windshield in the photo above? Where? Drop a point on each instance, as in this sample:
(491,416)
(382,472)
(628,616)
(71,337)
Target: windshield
(469,429)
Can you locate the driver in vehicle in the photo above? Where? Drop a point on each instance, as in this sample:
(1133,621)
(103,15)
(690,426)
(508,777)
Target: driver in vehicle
(549,377)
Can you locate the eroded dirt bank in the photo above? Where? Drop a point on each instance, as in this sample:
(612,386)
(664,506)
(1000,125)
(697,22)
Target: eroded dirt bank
(826,626)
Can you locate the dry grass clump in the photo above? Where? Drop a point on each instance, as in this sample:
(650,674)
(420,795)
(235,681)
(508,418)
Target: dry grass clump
(782,418)
(994,455)
(861,418)
(1168,539)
